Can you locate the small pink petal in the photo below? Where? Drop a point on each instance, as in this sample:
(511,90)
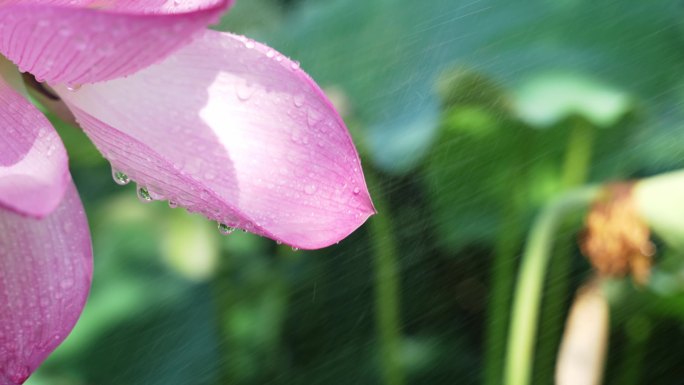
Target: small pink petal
(230,128)
(85,41)
(33,163)
(45,273)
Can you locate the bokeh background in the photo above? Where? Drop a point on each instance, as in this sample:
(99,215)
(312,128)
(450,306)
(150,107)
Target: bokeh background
(469,116)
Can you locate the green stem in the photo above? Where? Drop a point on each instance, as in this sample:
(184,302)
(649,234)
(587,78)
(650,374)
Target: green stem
(575,171)
(502,275)
(527,294)
(387,305)
(578,154)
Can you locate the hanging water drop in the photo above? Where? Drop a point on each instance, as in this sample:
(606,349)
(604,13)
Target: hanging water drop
(173,204)
(224,229)
(120,178)
(295,248)
(144,195)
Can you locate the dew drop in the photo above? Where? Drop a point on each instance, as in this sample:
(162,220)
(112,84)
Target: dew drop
(313,117)
(295,249)
(224,229)
(73,87)
(294,65)
(204,194)
(120,178)
(298,100)
(244,91)
(357,190)
(144,195)
(173,204)
(67,283)
(270,53)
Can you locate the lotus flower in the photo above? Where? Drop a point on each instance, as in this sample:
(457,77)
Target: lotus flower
(210,121)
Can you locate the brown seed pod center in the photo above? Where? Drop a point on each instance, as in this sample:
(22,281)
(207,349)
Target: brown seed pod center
(616,240)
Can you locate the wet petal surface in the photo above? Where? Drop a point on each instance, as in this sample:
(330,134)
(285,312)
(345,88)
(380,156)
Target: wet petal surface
(232,129)
(85,41)
(33,162)
(46,267)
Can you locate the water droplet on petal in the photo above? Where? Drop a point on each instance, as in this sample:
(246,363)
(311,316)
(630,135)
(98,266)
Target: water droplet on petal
(294,65)
(120,178)
(244,90)
(313,117)
(295,249)
(356,190)
(224,229)
(67,283)
(298,100)
(144,195)
(310,189)
(73,87)
(173,204)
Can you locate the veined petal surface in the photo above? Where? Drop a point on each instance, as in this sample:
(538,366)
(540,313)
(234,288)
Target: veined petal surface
(46,269)
(34,169)
(84,41)
(230,128)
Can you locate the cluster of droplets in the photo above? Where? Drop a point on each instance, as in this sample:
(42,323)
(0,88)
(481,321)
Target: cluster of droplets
(145,196)
(224,229)
(123,179)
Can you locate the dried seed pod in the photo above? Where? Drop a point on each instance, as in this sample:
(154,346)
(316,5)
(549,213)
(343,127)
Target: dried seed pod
(616,239)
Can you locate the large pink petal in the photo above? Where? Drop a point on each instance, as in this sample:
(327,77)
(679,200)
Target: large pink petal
(45,274)
(82,41)
(230,128)
(33,163)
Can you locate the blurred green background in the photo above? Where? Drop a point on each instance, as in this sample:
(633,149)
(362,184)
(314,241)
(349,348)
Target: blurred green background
(469,116)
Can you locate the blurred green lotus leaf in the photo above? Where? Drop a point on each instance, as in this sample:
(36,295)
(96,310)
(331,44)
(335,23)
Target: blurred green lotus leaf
(548,99)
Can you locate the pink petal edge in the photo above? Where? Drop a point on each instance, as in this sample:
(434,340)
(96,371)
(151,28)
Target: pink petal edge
(85,41)
(34,170)
(46,267)
(234,130)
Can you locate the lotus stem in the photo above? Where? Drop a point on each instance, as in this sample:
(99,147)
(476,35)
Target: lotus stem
(527,294)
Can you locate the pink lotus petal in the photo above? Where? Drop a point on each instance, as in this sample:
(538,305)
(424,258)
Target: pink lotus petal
(46,267)
(33,163)
(232,129)
(85,41)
